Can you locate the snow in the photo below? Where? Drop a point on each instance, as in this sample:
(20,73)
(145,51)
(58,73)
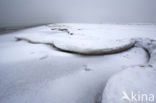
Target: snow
(39,73)
(139,80)
(93,41)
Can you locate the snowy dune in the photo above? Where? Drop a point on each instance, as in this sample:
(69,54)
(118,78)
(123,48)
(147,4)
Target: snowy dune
(33,71)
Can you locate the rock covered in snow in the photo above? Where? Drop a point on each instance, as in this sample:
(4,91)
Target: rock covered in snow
(84,46)
(133,85)
(94,47)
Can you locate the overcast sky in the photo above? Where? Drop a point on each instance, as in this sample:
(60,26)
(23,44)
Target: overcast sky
(32,12)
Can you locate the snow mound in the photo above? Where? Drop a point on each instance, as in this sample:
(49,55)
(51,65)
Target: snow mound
(134,81)
(84,46)
(81,41)
(94,47)
(125,88)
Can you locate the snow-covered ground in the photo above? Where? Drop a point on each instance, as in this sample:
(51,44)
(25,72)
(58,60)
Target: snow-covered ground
(32,70)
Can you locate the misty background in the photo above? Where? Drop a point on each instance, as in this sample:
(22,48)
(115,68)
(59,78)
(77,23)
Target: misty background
(20,13)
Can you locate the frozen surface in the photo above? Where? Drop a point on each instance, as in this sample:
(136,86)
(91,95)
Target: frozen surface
(38,73)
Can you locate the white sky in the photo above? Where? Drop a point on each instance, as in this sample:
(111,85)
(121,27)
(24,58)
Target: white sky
(31,12)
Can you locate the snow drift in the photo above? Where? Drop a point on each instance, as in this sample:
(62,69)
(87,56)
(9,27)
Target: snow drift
(119,82)
(87,47)
(139,80)
(140,85)
(43,73)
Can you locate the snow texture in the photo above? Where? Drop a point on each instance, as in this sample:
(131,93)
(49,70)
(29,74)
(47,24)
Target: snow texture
(138,79)
(142,81)
(89,47)
(37,71)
